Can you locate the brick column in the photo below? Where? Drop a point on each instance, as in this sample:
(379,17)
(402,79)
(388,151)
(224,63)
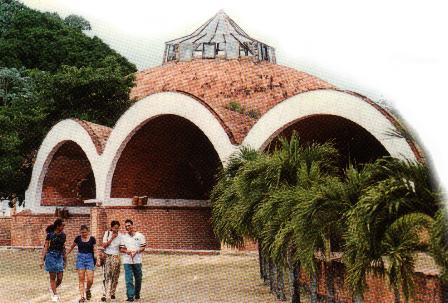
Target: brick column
(98,222)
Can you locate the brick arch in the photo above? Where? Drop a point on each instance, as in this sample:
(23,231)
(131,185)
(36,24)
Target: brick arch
(65,131)
(69,179)
(333,103)
(149,108)
(169,157)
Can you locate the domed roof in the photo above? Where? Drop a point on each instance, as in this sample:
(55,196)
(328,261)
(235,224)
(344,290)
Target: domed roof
(98,133)
(238,92)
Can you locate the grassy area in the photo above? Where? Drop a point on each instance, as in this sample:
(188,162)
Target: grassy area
(167,278)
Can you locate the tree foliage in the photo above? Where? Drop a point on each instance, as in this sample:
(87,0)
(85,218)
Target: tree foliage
(49,71)
(77,22)
(33,39)
(301,209)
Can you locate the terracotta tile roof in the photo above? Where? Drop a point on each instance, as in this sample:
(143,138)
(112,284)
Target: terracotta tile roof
(98,133)
(255,86)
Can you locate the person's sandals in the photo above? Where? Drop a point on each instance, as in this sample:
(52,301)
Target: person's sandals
(112,297)
(103,299)
(88,294)
(82,300)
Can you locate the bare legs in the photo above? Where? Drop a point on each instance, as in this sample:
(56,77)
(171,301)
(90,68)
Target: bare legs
(85,277)
(55,280)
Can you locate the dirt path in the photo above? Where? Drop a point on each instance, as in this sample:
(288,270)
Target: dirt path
(166,279)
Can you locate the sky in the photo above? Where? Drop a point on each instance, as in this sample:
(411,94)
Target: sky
(386,50)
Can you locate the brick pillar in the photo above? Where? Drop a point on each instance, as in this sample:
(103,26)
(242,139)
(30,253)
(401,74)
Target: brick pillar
(98,222)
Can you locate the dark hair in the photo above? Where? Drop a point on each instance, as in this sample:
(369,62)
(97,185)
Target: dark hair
(129,221)
(84,227)
(52,227)
(114,222)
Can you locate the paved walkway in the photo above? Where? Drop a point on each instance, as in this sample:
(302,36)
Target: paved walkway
(167,279)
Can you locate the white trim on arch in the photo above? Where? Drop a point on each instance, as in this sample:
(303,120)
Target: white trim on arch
(152,106)
(62,132)
(329,102)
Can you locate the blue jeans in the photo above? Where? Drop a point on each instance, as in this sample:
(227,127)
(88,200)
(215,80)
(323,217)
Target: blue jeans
(132,271)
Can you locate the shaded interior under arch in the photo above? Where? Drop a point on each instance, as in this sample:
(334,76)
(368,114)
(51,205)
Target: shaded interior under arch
(69,179)
(355,144)
(167,158)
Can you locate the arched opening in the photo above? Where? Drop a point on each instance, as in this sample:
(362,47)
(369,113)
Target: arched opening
(69,179)
(167,158)
(355,144)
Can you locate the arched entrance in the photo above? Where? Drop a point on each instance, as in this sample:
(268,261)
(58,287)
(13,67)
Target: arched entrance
(69,179)
(353,108)
(355,144)
(168,158)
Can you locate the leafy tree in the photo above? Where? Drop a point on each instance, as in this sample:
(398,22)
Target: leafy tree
(77,22)
(21,117)
(99,95)
(49,71)
(32,39)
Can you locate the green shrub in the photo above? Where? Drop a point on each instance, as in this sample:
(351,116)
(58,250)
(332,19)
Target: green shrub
(236,107)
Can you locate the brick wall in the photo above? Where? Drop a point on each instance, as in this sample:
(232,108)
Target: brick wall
(168,227)
(69,179)
(249,246)
(427,287)
(29,229)
(5,231)
(168,158)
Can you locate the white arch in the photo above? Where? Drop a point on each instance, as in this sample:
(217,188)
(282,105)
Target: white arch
(148,108)
(64,131)
(330,102)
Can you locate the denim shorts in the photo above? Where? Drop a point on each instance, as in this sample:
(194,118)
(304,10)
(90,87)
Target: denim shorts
(54,261)
(85,261)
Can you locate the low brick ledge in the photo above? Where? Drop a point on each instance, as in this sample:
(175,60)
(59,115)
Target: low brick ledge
(155,251)
(28,213)
(159,251)
(173,207)
(9,247)
(153,202)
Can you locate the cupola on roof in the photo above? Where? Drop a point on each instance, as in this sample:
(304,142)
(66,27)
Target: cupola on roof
(219,38)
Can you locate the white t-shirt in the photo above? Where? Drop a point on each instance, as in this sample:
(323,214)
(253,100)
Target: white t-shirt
(114,247)
(132,243)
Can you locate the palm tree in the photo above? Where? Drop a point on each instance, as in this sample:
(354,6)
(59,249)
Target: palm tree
(224,198)
(244,187)
(298,168)
(384,226)
(318,219)
(272,218)
(439,248)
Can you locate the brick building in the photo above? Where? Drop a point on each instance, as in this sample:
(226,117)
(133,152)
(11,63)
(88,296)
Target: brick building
(216,90)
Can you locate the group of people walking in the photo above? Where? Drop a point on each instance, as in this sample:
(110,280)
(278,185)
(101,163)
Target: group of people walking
(129,245)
